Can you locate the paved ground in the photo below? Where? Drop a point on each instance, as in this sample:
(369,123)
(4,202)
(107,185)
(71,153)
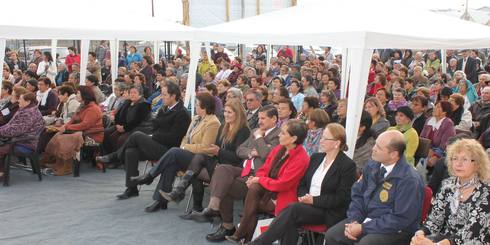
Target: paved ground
(84,210)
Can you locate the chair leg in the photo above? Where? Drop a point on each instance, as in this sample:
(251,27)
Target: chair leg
(97,152)
(35,166)
(144,172)
(6,169)
(76,168)
(311,238)
(189,202)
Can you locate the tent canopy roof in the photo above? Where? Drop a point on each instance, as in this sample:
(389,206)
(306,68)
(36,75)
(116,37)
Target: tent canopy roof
(352,24)
(70,27)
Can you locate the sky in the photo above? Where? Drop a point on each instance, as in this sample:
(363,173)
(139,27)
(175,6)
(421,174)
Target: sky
(170,9)
(428,4)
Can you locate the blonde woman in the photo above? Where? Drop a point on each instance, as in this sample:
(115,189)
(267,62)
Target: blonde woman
(378,115)
(231,134)
(461,211)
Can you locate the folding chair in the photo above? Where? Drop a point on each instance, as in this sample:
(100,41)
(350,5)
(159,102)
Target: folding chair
(427,203)
(310,231)
(18,151)
(90,150)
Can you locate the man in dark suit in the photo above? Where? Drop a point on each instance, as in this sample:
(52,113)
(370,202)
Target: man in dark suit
(228,182)
(468,65)
(386,205)
(254,102)
(169,127)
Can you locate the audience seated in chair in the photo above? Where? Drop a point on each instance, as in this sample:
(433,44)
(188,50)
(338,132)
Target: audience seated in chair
(275,184)
(461,210)
(364,144)
(324,191)
(230,181)
(67,142)
(316,121)
(168,129)
(130,117)
(68,106)
(231,134)
(46,97)
(25,124)
(403,117)
(386,203)
(438,129)
(199,139)
(10,108)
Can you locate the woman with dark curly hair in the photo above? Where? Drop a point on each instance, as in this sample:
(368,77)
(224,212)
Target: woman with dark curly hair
(86,123)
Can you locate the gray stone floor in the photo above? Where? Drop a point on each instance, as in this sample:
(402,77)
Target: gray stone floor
(84,210)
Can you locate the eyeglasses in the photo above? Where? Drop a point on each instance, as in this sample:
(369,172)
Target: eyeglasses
(463,160)
(323,138)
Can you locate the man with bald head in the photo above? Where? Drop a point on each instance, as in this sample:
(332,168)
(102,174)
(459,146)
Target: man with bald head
(386,204)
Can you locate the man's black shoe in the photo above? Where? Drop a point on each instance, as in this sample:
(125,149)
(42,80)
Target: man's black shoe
(220,234)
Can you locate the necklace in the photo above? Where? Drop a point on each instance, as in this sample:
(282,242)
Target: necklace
(462,188)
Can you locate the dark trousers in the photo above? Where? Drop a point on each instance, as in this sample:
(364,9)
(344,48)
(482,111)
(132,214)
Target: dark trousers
(258,200)
(335,236)
(174,160)
(138,147)
(44,139)
(227,185)
(113,139)
(4,151)
(203,167)
(285,226)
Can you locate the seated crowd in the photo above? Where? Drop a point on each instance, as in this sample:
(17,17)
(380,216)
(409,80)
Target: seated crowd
(274,139)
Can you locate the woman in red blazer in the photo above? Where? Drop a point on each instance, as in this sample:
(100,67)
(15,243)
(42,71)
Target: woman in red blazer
(276,182)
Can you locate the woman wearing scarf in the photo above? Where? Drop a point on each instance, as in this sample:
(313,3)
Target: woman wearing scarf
(47,99)
(403,118)
(468,91)
(460,212)
(317,120)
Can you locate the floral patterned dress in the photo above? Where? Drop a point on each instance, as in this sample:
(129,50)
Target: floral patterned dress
(470,224)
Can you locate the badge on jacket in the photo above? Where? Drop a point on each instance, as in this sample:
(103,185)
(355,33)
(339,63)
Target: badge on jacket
(387,185)
(383,196)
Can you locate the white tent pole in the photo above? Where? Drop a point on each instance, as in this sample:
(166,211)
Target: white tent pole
(3,43)
(359,63)
(114,58)
(54,44)
(268,57)
(195,48)
(83,60)
(443,61)
(345,73)
(156,52)
(208,50)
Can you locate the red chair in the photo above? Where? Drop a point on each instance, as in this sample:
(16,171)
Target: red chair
(426,205)
(311,230)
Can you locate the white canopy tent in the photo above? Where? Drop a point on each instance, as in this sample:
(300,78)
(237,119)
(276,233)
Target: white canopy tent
(358,27)
(86,29)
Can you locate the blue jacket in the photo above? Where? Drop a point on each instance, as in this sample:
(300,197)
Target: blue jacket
(136,57)
(399,209)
